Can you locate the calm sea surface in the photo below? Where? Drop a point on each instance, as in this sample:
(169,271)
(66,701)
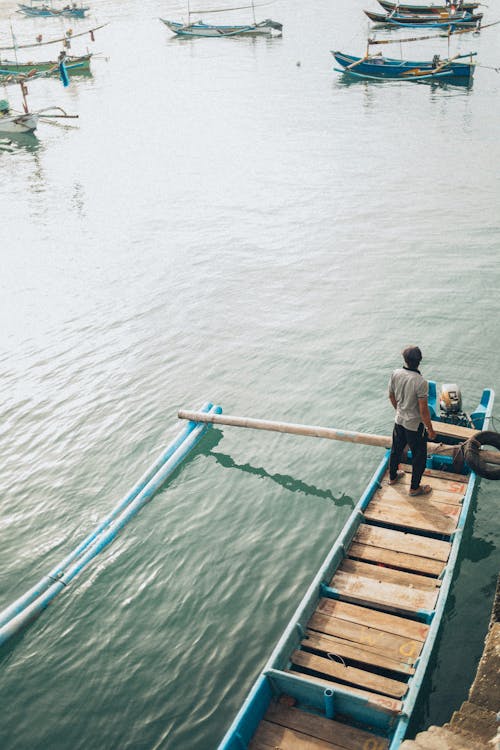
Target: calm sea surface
(227,220)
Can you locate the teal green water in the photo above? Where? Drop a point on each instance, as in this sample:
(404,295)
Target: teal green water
(223,223)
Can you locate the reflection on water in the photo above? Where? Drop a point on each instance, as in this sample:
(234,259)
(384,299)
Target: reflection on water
(16,141)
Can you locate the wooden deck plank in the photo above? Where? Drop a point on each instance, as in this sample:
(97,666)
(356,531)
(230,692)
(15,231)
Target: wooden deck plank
(385,595)
(353,675)
(454,489)
(439,502)
(389,623)
(450,475)
(348,737)
(270,735)
(453,430)
(382,573)
(403,560)
(353,652)
(381,702)
(409,518)
(403,541)
(397,647)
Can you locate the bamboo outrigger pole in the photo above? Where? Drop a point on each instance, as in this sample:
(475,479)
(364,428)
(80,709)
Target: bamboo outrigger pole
(330,433)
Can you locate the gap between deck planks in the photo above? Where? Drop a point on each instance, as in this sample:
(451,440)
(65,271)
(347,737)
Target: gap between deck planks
(397,647)
(389,623)
(381,702)
(353,675)
(329,730)
(353,652)
(382,594)
(389,575)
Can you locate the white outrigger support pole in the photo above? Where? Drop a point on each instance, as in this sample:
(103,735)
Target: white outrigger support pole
(330,433)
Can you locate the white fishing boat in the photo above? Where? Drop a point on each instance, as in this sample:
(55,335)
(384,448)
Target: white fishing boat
(16,122)
(199,28)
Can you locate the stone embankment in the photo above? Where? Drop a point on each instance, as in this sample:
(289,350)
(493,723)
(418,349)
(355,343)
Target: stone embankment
(475,726)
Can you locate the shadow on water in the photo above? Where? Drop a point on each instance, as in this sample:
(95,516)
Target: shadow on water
(292,484)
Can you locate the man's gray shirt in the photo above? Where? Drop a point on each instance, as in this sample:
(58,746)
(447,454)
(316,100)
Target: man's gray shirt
(407,386)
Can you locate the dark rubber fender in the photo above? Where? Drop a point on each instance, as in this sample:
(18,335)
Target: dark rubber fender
(473,456)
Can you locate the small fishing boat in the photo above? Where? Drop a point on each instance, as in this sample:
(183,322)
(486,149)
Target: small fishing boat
(391,7)
(198,28)
(68,11)
(73,65)
(16,122)
(377,67)
(348,669)
(430,20)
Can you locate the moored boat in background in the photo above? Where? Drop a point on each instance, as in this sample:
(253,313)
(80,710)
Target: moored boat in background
(423,9)
(431,20)
(73,65)
(377,67)
(47,11)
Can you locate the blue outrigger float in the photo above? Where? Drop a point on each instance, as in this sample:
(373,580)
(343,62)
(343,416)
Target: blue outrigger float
(348,669)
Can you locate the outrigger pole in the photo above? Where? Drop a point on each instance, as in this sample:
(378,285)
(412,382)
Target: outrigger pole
(330,433)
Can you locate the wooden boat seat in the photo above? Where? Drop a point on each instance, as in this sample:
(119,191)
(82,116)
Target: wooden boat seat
(453,431)
(289,728)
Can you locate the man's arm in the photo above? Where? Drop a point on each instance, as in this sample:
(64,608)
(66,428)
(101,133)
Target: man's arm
(393,401)
(423,407)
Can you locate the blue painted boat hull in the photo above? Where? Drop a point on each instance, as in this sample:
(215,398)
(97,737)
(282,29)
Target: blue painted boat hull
(313,696)
(404,70)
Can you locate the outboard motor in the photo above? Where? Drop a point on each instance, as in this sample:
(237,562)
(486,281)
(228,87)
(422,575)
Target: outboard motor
(450,399)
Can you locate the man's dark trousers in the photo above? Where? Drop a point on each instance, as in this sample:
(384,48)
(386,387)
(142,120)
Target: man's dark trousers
(417,440)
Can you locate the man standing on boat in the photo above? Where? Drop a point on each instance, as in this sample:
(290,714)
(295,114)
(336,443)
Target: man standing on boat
(408,395)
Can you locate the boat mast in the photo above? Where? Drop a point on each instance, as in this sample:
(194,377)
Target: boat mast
(253,11)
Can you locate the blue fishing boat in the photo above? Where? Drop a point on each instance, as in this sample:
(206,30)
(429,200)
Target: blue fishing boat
(68,11)
(407,8)
(349,666)
(447,19)
(377,67)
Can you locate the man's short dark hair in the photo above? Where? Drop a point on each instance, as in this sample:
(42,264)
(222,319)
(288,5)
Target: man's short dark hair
(412,356)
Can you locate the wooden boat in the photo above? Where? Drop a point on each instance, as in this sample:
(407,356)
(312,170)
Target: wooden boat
(445,18)
(199,28)
(377,67)
(17,122)
(349,666)
(431,20)
(73,65)
(68,11)
(391,7)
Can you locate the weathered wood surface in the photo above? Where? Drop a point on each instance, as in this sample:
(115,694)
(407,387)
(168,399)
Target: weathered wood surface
(360,677)
(401,541)
(449,485)
(421,518)
(400,560)
(444,502)
(353,652)
(382,702)
(381,594)
(382,573)
(329,730)
(395,647)
(454,431)
(270,736)
(389,623)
